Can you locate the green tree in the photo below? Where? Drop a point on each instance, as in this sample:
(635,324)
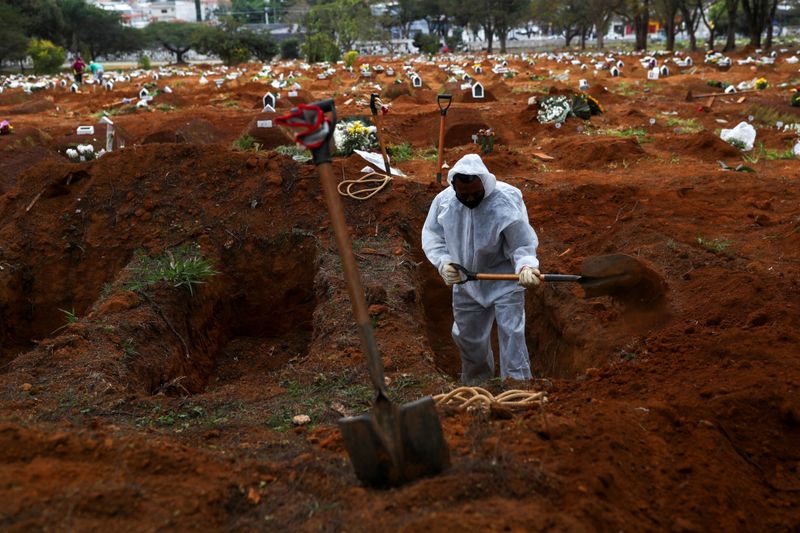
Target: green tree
(320,47)
(47,57)
(98,30)
(426,43)
(343,21)
(249,11)
(233,43)
(14,43)
(290,49)
(41,18)
(177,37)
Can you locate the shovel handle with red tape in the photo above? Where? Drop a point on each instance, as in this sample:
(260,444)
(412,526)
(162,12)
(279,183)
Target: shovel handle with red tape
(393,444)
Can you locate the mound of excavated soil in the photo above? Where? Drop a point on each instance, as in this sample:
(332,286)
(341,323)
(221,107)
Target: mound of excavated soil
(32,106)
(594,152)
(703,145)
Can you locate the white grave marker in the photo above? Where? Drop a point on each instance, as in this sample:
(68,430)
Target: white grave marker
(85,130)
(269,100)
(264,123)
(477,90)
(416,82)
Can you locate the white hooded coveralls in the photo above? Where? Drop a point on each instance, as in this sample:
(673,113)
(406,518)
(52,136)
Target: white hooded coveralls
(493,237)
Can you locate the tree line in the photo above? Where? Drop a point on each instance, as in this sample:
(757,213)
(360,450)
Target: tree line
(42,27)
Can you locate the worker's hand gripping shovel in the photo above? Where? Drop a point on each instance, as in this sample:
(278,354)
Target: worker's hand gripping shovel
(602,275)
(393,444)
(443,101)
(375,106)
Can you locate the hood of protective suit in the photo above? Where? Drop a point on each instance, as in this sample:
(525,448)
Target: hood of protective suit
(472,164)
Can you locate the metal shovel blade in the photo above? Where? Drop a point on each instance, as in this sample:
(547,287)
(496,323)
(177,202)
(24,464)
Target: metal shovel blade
(393,445)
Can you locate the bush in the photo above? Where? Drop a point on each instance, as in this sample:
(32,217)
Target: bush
(427,43)
(47,57)
(320,47)
(350,58)
(290,49)
(144,62)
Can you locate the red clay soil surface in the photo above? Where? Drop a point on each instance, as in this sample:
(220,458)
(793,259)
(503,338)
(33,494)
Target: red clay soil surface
(129,404)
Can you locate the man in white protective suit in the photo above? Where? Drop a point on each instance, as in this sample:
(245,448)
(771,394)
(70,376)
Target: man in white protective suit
(482,224)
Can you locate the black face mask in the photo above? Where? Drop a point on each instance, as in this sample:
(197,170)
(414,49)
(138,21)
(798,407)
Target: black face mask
(473,201)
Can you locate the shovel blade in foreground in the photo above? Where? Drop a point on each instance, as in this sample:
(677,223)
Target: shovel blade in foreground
(424,450)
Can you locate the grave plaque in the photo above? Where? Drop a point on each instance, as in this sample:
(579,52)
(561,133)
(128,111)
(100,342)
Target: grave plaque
(477,90)
(269,100)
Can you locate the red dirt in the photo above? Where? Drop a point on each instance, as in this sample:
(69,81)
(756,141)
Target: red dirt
(159,408)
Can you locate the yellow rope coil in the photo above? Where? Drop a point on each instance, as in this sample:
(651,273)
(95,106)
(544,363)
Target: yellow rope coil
(482,398)
(361,189)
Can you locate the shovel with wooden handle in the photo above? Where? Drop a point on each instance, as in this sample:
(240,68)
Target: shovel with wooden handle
(374,106)
(443,101)
(393,444)
(602,275)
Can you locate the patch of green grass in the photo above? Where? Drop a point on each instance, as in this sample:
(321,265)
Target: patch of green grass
(246,142)
(530,89)
(400,152)
(427,154)
(70,316)
(128,349)
(736,143)
(639,133)
(165,107)
(625,88)
(685,125)
(713,245)
(184,267)
(768,154)
(770,115)
(230,103)
(298,153)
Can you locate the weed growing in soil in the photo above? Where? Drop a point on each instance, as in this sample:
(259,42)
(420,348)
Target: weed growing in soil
(427,154)
(685,125)
(400,152)
(768,154)
(713,245)
(640,134)
(246,142)
(625,89)
(770,115)
(71,317)
(298,153)
(185,267)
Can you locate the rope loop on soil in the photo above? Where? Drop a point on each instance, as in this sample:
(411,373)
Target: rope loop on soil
(364,187)
(483,399)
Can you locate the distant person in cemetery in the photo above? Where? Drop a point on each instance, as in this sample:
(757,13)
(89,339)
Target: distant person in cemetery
(482,224)
(77,68)
(96,69)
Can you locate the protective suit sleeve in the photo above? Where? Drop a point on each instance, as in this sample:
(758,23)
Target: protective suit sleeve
(433,241)
(519,245)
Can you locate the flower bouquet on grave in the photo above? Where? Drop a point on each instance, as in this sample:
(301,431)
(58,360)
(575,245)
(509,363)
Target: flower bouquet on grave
(761,84)
(795,98)
(6,128)
(485,138)
(554,109)
(82,152)
(355,134)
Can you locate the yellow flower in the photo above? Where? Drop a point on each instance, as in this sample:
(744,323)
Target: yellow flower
(761,83)
(356,128)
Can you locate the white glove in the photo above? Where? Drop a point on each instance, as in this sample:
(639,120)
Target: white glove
(529,277)
(450,274)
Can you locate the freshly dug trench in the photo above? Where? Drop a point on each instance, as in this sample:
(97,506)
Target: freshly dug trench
(256,314)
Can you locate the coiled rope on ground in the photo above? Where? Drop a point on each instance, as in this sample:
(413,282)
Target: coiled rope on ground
(363,188)
(481,398)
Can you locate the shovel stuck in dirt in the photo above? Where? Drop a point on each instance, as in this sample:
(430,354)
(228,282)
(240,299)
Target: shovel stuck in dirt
(443,101)
(617,275)
(393,444)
